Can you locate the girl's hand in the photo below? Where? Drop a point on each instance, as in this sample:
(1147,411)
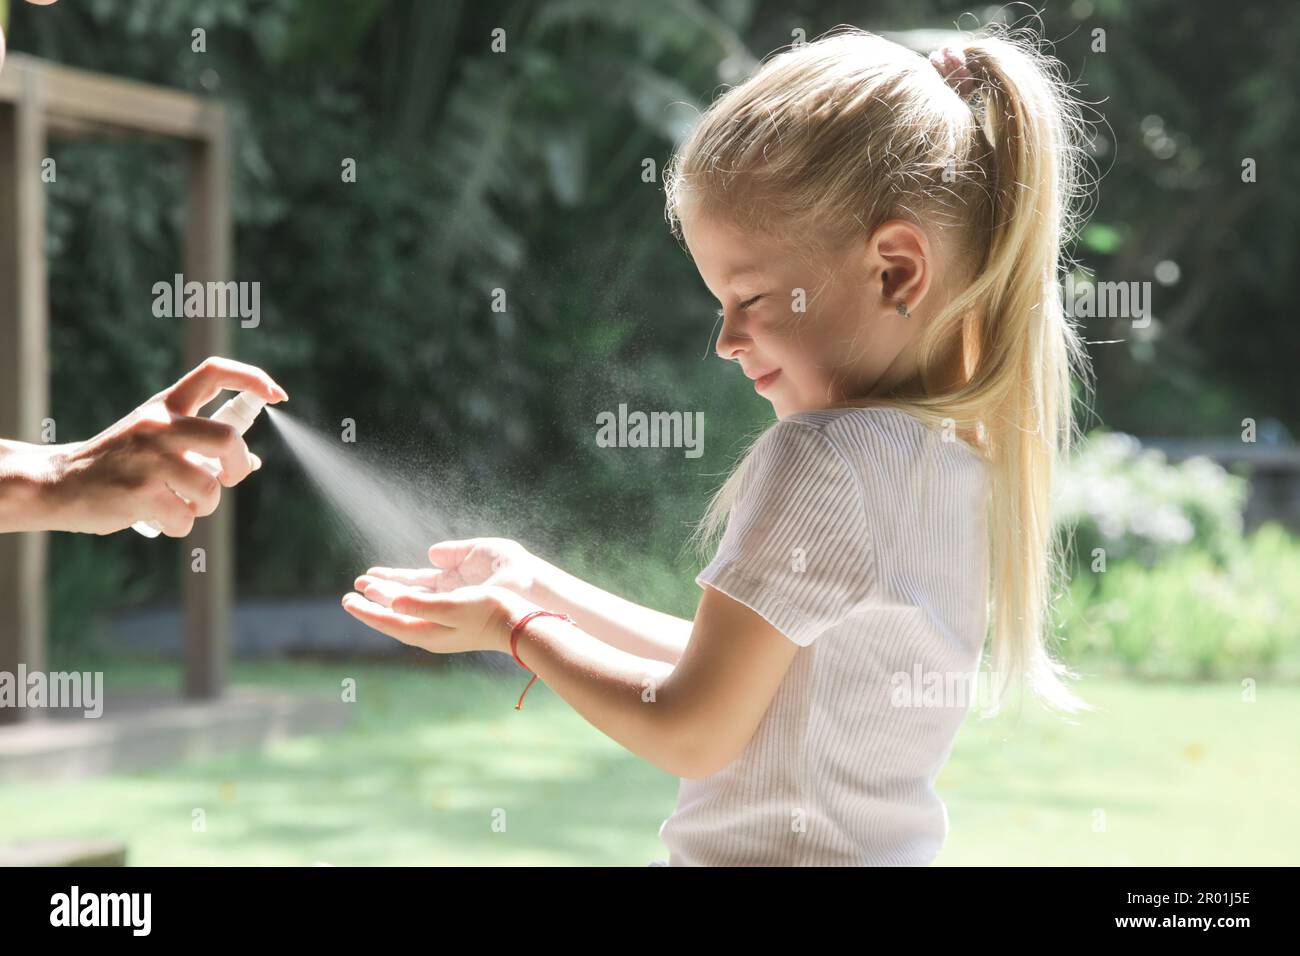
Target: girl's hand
(477,561)
(473,618)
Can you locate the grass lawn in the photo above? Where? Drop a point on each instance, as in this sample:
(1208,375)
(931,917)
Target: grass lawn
(436,761)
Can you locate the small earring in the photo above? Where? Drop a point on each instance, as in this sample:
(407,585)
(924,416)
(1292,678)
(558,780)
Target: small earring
(902,310)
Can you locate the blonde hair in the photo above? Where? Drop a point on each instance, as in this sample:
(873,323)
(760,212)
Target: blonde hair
(832,138)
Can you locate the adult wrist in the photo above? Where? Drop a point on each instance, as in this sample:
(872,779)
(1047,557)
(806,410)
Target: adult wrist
(28,498)
(58,489)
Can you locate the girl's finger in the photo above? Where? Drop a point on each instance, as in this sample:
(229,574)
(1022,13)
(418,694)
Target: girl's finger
(363,582)
(383,585)
(409,630)
(426,605)
(449,554)
(414,577)
(380,591)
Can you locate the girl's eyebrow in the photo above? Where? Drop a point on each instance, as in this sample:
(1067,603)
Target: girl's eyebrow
(745,270)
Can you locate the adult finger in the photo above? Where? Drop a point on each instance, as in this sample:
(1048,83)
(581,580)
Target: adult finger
(212,440)
(204,383)
(174,516)
(193,483)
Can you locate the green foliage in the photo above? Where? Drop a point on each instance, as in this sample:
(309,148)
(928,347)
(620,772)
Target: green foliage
(1180,594)
(1190,616)
(87,575)
(521,171)
(475,172)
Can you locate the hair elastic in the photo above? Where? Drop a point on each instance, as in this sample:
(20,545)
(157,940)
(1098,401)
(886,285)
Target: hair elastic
(950,61)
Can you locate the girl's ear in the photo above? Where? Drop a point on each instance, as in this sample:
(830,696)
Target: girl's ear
(898,255)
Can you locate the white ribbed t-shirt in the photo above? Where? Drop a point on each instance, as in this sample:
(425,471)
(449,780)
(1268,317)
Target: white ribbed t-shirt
(861,535)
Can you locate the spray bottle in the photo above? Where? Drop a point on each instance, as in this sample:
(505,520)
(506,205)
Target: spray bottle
(240,413)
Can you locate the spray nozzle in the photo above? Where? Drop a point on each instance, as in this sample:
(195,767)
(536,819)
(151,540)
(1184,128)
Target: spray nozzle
(240,411)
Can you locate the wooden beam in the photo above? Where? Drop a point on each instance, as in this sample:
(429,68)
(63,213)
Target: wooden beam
(24,361)
(207,595)
(77,96)
(36,97)
(64,128)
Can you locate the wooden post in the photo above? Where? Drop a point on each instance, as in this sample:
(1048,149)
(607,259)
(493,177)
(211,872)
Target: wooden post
(24,362)
(207,595)
(37,98)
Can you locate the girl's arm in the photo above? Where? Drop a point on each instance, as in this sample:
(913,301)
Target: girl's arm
(620,623)
(641,631)
(690,719)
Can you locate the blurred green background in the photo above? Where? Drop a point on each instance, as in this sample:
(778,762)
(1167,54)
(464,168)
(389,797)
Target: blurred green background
(523,171)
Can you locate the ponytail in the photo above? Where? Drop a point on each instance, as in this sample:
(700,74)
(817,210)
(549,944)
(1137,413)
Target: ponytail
(1028,350)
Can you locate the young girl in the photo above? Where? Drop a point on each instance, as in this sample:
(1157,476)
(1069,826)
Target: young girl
(883,234)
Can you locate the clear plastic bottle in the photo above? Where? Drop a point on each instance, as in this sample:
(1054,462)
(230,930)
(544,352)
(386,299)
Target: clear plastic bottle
(240,412)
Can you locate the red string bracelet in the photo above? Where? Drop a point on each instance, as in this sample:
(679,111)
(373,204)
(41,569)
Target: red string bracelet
(514,637)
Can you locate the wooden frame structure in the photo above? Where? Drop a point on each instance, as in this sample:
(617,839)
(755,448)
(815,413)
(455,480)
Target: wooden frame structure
(38,101)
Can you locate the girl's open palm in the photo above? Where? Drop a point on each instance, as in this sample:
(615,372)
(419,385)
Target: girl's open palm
(474,618)
(500,562)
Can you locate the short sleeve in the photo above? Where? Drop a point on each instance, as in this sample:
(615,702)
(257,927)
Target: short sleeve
(795,549)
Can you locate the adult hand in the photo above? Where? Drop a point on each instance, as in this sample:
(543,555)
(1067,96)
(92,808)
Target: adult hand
(136,469)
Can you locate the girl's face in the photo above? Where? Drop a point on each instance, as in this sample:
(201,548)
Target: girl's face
(813,336)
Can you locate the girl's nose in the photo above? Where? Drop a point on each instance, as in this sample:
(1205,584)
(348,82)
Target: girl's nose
(730,343)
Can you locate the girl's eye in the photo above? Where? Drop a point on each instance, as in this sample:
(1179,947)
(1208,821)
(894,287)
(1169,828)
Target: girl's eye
(721,313)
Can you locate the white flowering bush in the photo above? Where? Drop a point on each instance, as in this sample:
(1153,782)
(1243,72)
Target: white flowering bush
(1133,503)
(1190,617)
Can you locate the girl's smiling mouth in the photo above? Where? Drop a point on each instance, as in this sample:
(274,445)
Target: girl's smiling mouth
(763,381)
